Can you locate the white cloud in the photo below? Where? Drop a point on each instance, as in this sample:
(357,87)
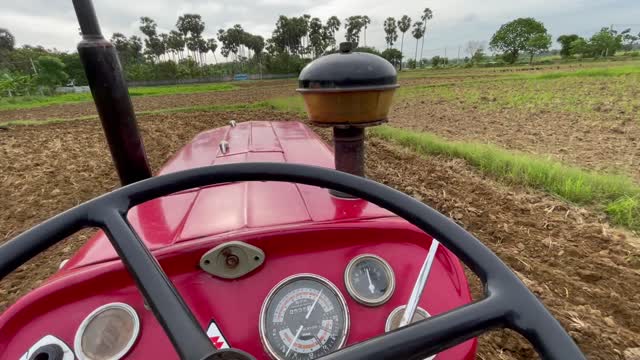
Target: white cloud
(52,23)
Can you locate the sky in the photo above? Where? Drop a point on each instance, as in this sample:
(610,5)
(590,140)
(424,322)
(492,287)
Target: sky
(52,23)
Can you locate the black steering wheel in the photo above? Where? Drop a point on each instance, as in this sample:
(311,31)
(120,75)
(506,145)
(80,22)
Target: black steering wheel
(507,302)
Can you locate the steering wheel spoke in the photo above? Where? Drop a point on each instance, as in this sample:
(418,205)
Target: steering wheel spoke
(163,298)
(428,337)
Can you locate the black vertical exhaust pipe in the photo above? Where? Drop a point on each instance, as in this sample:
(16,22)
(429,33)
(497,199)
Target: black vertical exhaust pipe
(104,72)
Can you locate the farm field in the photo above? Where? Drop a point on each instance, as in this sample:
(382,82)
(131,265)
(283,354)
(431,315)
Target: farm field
(584,267)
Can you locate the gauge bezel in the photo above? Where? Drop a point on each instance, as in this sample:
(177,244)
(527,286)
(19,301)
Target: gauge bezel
(77,342)
(288,280)
(421,311)
(354,293)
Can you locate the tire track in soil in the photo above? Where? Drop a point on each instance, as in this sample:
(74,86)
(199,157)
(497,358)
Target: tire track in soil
(585,272)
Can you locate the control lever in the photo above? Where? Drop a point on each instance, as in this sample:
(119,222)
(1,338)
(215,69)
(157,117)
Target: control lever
(418,287)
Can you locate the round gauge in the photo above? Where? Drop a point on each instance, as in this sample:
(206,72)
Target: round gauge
(369,280)
(393,321)
(303,317)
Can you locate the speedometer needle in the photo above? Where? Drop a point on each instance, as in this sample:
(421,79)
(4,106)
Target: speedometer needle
(313,305)
(295,338)
(371,286)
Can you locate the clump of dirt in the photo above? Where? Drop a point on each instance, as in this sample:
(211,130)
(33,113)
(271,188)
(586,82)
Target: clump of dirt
(244,95)
(568,137)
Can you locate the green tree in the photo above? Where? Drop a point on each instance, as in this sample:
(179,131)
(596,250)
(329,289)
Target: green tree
(176,43)
(391,31)
(426,16)
(317,37)
(478,57)
(629,39)
(332,25)
(212,45)
(74,68)
(288,35)
(606,42)
(513,37)
(154,45)
(417,32)
(581,47)
(51,72)
(394,56)
(7,41)
(438,61)
(537,44)
(191,26)
(365,23)
(403,25)
(353,26)
(129,49)
(565,43)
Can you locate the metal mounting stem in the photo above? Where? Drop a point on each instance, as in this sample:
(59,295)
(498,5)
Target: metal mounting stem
(418,287)
(348,145)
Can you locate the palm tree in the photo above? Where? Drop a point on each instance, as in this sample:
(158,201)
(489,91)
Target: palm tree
(365,21)
(427,15)
(332,25)
(212,45)
(391,31)
(417,32)
(403,25)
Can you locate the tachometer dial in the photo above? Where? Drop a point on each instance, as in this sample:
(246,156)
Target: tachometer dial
(369,280)
(303,317)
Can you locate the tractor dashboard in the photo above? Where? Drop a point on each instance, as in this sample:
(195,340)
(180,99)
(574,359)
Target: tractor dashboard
(230,309)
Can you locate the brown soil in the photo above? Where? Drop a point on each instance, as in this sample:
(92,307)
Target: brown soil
(244,95)
(49,168)
(585,272)
(586,141)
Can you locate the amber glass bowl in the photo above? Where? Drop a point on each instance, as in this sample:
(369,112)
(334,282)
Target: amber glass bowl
(353,106)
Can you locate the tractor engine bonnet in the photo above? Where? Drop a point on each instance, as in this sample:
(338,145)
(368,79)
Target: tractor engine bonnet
(348,91)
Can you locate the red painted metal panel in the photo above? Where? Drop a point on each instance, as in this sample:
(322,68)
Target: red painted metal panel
(59,307)
(232,207)
(263,138)
(201,151)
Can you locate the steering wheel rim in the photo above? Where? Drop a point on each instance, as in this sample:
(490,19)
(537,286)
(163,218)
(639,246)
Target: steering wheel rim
(508,303)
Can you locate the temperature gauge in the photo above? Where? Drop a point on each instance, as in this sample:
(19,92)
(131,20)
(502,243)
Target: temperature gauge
(369,280)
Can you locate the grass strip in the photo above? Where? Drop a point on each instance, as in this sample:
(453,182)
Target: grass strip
(293,104)
(187,109)
(618,195)
(30,102)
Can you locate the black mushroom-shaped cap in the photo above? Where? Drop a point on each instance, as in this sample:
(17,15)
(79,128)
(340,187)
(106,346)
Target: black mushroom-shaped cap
(347,70)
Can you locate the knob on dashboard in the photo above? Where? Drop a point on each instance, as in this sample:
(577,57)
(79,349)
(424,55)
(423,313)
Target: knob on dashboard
(48,352)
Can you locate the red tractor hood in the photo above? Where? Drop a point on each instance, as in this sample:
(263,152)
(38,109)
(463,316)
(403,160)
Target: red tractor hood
(236,207)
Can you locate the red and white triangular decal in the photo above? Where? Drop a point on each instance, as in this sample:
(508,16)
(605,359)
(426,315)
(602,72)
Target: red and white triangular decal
(216,336)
